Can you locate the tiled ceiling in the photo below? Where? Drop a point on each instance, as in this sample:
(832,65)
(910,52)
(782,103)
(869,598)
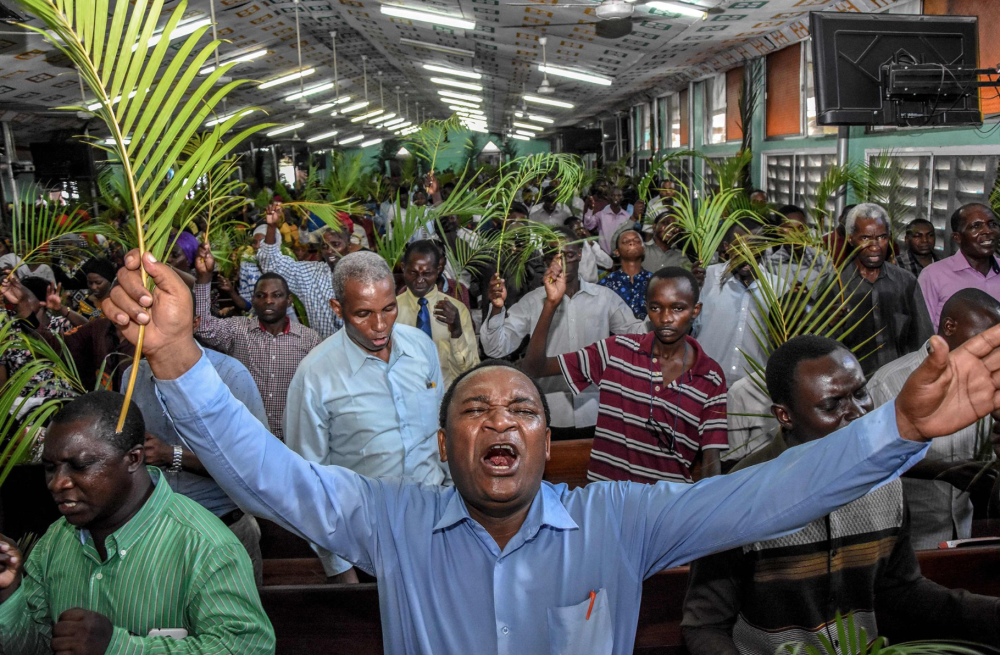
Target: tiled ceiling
(663,52)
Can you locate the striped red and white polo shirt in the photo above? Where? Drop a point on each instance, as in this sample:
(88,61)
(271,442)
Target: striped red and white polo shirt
(648,431)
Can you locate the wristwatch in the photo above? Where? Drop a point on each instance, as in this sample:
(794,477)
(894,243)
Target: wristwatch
(175,465)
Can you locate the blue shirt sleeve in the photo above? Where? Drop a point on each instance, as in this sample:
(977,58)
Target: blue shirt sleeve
(669,524)
(327,505)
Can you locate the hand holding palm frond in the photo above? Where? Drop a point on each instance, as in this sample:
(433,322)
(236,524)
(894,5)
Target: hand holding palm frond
(152,114)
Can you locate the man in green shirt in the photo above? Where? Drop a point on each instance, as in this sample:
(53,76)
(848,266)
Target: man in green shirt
(132,566)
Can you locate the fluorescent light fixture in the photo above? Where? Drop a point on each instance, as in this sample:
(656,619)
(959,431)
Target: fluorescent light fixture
(548,101)
(182,29)
(478,128)
(460,103)
(320,137)
(110,142)
(576,75)
(472,75)
(319,108)
(459,96)
(521,132)
(469,114)
(371,142)
(225,117)
(540,119)
(352,139)
(528,126)
(682,8)
(342,100)
(287,128)
(286,78)
(380,119)
(97,105)
(250,56)
(393,124)
(519,137)
(354,107)
(448,50)
(364,117)
(433,17)
(455,83)
(308,92)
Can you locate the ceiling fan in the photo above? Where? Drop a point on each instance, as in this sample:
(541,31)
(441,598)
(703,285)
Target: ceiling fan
(615,17)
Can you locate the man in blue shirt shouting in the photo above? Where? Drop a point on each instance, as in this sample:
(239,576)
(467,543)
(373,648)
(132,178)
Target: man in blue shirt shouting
(502,562)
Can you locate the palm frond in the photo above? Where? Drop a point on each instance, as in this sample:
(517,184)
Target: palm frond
(852,639)
(426,142)
(43,231)
(749,99)
(657,169)
(153,106)
(835,181)
(729,172)
(704,224)
(880,180)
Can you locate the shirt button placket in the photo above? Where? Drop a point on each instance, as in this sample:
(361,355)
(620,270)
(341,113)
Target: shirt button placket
(500,594)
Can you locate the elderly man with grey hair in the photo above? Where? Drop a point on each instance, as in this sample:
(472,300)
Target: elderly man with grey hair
(367,397)
(889,311)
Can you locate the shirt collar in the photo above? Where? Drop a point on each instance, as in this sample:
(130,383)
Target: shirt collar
(588,287)
(702,363)
(284,330)
(959,263)
(546,509)
(356,356)
(126,536)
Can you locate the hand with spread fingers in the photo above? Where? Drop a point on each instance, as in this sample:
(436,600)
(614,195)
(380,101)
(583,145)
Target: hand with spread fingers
(950,391)
(166,312)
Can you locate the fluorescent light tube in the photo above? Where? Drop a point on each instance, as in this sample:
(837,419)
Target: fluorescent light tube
(250,56)
(478,128)
(429,17)
(380,119)
(393,124)
(354,107)
(459,96)
(371,142)
(522,132)
(287,128)
(352,139)
(472,75)
(110,142)
(677,8)
(222,119)
(448,50)
(548,101)
(182,29)
(308,92)
(460,103)
(364,117)
(319,108)
(576,75)
(519,137)
(342,100)
(286,78)
(528,126)
(97,105)
(455,83)
(320,137)
(540,119)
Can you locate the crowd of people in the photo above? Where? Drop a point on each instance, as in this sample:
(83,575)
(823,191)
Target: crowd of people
(399,418)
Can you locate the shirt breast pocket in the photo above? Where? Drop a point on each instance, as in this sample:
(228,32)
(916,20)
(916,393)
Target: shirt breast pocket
(582,629)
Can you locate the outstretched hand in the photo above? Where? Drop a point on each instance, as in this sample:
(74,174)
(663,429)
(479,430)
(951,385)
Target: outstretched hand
(555,281)
(166,312)
(950,391)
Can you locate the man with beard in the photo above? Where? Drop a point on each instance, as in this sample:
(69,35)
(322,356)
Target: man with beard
(367,397)
(888,312)
(662,401)
(974,228)
(310,281)
(504,562)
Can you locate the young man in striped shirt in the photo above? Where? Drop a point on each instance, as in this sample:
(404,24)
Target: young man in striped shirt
(131,566)
(662,399)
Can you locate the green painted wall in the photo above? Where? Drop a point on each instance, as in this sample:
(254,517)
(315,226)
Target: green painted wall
(453,154)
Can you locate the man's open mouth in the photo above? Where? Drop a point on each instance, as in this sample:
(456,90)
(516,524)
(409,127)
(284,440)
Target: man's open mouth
(501,457)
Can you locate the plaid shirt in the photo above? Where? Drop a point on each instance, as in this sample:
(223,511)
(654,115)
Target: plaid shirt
(310,281)
(271,360)
(909,262)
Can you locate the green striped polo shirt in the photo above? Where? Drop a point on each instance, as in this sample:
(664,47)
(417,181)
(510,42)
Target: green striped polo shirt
(173,565)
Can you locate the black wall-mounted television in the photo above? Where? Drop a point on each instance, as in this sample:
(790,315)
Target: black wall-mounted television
(852,55)
(58,161)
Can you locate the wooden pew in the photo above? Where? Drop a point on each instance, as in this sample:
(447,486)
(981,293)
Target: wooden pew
(568,462)
(344,618)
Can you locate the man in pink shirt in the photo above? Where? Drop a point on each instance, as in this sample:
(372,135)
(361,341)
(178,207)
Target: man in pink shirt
(608,219)
(975,229)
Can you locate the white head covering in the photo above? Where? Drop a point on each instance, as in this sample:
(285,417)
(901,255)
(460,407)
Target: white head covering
(262,230)
(10,260)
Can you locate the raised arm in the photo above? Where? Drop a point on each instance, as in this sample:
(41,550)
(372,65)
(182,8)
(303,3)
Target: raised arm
(502,331)
(330,506)
(536,363)
(216,332)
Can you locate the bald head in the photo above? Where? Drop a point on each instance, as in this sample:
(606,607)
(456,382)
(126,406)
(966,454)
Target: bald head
(967,313)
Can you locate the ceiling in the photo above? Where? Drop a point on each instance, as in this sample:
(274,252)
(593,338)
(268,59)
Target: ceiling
(663,52)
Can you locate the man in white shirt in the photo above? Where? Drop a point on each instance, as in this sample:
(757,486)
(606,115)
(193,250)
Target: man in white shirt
(936,488)
(587,314)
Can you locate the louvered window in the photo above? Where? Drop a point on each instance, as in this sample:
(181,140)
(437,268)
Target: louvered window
(793,178)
